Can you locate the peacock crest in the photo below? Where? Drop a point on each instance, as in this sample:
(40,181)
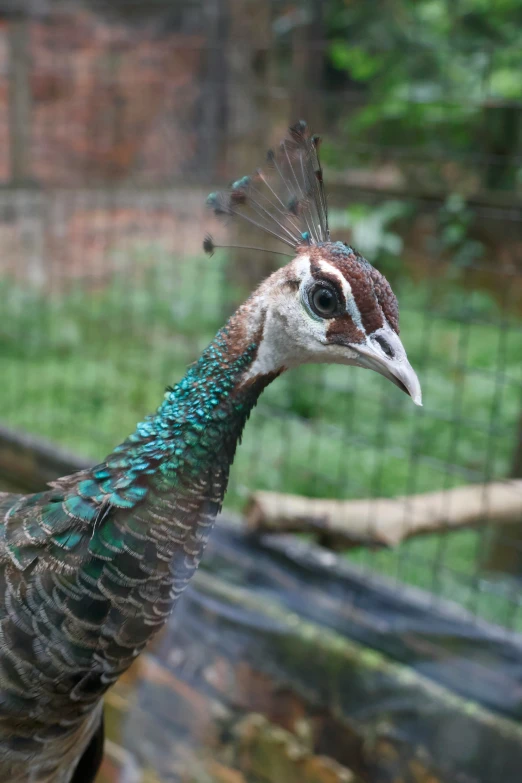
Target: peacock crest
(286,198)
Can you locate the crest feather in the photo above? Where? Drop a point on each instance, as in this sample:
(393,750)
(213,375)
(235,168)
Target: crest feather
(286,199)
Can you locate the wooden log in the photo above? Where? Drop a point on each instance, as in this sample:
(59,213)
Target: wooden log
(366,700)
(241,685)
(386,521)
(28,463)
(268,752)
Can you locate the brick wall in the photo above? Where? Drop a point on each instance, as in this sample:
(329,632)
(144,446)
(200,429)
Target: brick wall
(111,102)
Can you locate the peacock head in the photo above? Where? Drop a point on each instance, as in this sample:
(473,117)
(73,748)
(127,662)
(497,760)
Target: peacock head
(328,304)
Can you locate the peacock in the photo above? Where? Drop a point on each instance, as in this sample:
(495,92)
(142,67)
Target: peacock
(92,567)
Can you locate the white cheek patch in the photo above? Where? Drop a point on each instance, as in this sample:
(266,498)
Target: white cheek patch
(351,304)
(290,335)
(353,311)
(301,266)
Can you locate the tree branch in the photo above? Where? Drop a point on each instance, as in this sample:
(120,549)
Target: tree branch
(386,521)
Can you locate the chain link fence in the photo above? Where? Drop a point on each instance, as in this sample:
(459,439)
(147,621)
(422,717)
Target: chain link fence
(118,120)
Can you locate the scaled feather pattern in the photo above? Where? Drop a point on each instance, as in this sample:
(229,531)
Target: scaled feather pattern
(91,568)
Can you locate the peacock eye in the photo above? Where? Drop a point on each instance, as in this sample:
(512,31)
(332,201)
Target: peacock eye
(323,301)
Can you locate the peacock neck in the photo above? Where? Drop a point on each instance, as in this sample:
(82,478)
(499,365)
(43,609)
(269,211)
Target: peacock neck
(164,486)
(201,417)
(124,538)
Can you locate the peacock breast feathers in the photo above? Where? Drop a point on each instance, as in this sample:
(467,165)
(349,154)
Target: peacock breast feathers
(89,571)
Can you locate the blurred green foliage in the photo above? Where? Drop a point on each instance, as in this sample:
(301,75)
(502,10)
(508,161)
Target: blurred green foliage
(372,231)
(440,80)
(453,238)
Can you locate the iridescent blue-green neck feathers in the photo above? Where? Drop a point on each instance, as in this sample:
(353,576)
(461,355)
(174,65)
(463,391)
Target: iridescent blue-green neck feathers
(200,416)
(196,427)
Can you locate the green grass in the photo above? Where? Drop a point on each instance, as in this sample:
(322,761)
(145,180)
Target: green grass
(82,367)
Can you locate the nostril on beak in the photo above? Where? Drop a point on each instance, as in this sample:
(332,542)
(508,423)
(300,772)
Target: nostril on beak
(385,345)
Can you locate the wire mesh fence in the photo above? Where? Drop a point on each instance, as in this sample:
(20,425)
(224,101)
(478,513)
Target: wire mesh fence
(129,119)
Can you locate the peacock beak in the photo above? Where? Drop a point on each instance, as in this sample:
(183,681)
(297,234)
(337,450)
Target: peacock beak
(384,353)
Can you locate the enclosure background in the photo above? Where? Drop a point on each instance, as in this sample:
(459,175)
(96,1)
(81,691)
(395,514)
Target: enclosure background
(118,118)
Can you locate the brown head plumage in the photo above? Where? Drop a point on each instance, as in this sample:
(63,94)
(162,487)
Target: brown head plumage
(329,304)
